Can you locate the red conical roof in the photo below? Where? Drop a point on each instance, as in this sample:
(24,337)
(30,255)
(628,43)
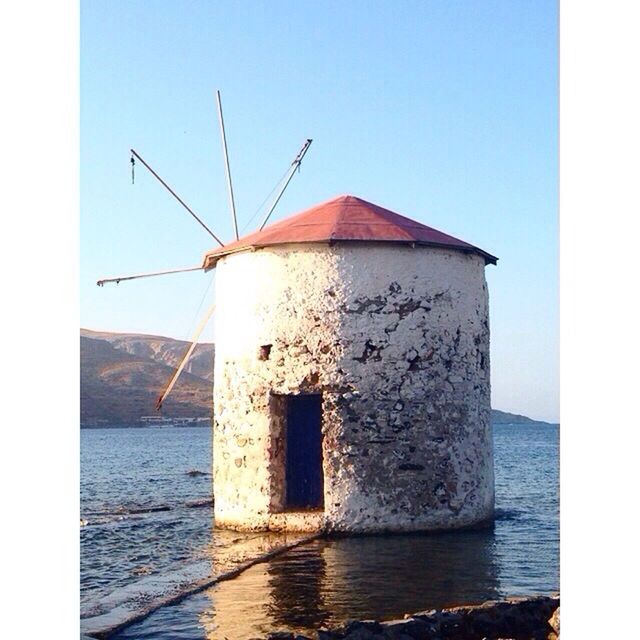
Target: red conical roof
(345,219)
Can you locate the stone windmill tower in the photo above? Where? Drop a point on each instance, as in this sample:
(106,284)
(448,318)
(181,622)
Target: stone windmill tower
(352,386)
(351,373)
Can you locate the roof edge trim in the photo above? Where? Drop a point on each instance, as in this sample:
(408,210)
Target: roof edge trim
(210,261)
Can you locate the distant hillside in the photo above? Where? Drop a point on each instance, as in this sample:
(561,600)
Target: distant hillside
(502,417)
(159,349)
(122,374)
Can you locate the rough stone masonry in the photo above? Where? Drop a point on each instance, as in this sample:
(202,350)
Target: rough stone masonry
(396,339)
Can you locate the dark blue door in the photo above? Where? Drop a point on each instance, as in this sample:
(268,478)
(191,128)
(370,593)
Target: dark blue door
(304,452)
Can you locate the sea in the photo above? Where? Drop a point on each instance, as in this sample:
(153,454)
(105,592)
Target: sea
(147,535)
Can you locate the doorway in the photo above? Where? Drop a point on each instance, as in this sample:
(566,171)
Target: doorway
(303,461)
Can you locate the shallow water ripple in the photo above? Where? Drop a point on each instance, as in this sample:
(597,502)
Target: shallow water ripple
(321,583)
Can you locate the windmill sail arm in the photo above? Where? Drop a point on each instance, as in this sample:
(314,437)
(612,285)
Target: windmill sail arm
(185,359)
(150,274)
(292,170)
(232,202)
(134,153)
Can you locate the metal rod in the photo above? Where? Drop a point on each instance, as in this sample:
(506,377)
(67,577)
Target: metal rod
(151,274)
(194,342)
(226,166)
(177,197)
(294,165)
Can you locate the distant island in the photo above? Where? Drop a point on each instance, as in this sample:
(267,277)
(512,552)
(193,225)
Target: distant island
(122,374)
(503,417)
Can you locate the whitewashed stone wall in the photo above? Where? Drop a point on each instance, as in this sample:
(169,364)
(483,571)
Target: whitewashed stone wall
(397,340)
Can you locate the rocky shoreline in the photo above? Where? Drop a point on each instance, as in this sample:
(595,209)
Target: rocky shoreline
(530,618)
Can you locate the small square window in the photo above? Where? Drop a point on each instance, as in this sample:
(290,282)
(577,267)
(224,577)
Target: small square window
(264,352)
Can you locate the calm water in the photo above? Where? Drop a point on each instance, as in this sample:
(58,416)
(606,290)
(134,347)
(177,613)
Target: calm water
(130,558)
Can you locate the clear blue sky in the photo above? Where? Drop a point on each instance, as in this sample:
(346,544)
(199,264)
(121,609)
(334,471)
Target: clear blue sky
(444,111)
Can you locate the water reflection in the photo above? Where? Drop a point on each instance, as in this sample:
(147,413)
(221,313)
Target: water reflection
(329,581)
(326,582)
(296,589)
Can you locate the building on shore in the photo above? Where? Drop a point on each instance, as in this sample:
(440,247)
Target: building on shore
(352,386)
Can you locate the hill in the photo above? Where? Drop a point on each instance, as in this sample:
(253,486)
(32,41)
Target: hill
(160,349)
(502,417)
(122,374)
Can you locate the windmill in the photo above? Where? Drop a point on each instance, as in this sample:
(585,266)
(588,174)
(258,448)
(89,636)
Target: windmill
(279,190)
(352,376)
